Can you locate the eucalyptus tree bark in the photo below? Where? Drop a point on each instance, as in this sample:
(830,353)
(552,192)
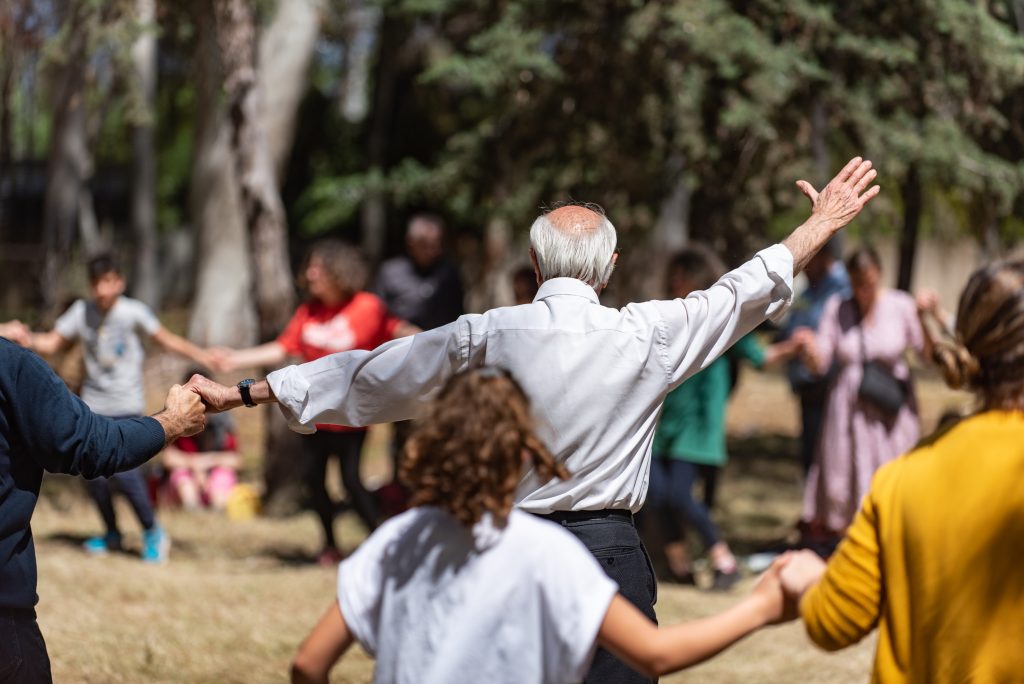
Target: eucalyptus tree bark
(285,54)
(223,312)
(145,270)
(69,166)
(263,210)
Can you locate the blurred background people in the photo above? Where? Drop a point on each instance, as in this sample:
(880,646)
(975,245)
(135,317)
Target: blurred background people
(339,315)
(524,285)
(111,327)
(202,470)
(933,557)
(875,325)
(826,277)
(690,439)
(423,287)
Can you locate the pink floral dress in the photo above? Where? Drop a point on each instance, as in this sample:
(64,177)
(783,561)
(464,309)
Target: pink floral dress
(857,437)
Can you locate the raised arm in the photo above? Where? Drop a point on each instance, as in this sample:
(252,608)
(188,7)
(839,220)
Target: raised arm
(831,209)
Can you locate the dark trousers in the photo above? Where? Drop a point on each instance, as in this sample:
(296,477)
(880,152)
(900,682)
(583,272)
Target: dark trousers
(347,447)
(812,412)
(132,484)
(612,537)
(23,658)
(670,497)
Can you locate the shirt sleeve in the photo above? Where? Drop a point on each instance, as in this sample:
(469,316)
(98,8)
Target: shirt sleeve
(390,383)
(844,606)
(361,582)
(578,593)
(70,324)
(291,337)
(915,335)
(57,430)
(701,327)
(368,319)
(146,319)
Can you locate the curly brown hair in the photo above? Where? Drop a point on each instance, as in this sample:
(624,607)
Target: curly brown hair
(468,455)
(343,263)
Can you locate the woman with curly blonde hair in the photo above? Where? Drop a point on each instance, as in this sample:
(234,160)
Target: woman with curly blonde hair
(933,558)
(464,588)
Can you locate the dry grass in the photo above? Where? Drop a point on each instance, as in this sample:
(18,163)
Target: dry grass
(237,597)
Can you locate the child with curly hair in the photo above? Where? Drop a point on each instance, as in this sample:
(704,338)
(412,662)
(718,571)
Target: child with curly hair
(462,587)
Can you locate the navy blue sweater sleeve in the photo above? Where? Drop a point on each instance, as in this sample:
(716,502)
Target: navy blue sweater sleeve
(57,430)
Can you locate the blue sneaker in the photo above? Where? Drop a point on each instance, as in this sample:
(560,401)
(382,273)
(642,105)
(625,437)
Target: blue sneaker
(99,546)
(156,545)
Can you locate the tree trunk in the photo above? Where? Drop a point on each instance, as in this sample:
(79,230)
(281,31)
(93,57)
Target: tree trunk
(145,271)
(223,312)
(912,204)
(263,210)
(286,51)
(68,169)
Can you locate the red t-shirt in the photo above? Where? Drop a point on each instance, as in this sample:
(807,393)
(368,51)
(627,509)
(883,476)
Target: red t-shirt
(316,330)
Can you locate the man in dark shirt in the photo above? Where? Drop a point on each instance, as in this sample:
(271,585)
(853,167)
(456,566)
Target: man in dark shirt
(43,426)
(422,287)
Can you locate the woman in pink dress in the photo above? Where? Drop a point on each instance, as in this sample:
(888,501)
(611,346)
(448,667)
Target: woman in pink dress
(875,324)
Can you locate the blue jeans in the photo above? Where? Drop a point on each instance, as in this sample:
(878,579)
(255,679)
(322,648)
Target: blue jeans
(23,657)
(612,537)
(670,497)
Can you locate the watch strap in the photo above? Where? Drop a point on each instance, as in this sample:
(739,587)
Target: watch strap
(243,390)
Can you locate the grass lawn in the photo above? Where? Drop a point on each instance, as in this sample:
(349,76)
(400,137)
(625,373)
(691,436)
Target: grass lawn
(237,597)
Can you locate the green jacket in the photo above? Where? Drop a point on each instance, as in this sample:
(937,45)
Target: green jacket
(692,424)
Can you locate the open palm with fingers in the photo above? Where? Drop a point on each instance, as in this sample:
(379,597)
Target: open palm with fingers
(845,195)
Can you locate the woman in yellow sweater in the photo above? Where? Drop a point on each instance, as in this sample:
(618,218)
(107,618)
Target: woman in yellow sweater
(935,556)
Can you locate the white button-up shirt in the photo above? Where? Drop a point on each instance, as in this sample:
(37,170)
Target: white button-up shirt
(596,376)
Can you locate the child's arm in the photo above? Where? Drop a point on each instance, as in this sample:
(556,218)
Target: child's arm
(180,346)
(47,343)
(325,644)
(628,633)
(226,359)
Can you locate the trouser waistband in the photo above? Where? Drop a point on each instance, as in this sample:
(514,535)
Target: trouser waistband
(577,516)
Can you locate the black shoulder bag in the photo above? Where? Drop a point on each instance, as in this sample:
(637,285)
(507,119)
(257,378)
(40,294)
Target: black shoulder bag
(878,386)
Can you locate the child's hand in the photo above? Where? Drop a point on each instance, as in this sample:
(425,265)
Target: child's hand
(768,591)
(803,570)
(220,359)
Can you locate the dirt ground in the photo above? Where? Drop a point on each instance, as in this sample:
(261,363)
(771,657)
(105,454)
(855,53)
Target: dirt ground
(237,597)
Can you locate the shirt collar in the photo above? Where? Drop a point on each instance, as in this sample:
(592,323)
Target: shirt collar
(566,286)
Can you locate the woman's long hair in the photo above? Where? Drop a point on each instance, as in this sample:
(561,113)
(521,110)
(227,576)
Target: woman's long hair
(986,355)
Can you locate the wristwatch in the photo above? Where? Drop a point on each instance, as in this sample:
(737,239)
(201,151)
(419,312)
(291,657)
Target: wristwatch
(243,389)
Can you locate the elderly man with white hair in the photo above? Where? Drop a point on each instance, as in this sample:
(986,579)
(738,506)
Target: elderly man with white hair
(596,376)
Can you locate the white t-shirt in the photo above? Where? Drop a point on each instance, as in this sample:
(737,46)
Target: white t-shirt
(434,602)
(113,352)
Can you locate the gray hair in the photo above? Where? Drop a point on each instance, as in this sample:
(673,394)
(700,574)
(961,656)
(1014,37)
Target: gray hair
(577,250)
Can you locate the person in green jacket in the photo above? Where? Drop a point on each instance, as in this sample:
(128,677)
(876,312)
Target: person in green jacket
(691,432)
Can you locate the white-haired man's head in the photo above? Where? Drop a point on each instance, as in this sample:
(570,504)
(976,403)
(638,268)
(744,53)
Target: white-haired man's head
(574,241)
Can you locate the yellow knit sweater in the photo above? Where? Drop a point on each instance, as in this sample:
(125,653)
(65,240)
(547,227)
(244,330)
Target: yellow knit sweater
(935,560)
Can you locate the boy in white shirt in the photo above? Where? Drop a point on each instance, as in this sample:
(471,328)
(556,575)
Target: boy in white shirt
(463,588)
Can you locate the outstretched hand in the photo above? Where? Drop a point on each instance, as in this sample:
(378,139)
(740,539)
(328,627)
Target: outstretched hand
(841,200)
(803,571)
(16,332)
(778,607)
(215,396)
(183,414)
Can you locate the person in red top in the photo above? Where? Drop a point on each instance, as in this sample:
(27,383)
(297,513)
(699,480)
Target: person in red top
(338,316)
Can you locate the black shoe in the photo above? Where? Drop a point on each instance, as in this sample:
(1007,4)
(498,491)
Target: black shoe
(724,581)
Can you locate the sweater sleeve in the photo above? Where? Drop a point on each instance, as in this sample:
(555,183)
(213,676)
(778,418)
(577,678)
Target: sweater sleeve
(58,431)
(845,605)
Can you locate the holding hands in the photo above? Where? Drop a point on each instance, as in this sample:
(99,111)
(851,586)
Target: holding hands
(183,415)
